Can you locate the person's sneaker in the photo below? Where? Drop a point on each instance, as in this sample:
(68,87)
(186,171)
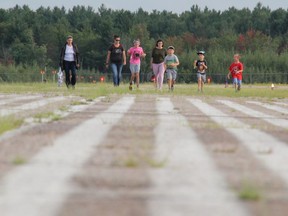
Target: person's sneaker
(130,87)
(239,87)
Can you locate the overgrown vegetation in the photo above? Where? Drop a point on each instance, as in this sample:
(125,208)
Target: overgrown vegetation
(8,123)
(30,41)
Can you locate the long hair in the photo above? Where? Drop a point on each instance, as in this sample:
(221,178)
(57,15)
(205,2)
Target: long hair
(160,40)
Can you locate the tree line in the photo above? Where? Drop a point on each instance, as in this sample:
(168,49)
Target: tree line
(31,40)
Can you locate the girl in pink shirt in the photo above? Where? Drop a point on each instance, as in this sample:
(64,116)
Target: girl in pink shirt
(135,53)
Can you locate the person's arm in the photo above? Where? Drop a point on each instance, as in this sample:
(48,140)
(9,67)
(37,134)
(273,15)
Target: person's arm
(240,69)
(195,64)
(143,54)
(124,57)
(165,64)
(205,65)
(228,75)
(77,57)
(152,57)
(177,61)
(108,58)
(129,52)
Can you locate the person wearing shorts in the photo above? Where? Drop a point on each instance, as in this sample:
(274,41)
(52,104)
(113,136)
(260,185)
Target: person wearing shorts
(171,62)
(136,53)
(236,70)
(201,66)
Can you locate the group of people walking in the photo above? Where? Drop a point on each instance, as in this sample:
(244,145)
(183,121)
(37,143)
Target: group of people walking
(162,60)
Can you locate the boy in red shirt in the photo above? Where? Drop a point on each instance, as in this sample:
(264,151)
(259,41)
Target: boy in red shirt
(236,69)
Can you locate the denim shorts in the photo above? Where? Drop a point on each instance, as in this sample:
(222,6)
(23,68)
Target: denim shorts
(171,74)
(202,76)
(237,81)
(135,68)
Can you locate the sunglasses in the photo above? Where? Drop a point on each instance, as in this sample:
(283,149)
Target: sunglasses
(117,40)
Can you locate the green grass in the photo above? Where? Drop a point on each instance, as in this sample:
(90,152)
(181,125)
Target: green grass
(18,161)
(43,115)
(250,192)
(77,103)
(91,91)
(9,123)
(131,162)
(47,115)
(157,163)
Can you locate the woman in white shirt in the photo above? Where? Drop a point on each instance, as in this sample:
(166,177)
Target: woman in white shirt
(69,61)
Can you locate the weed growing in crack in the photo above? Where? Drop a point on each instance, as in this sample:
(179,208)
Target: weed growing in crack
(131,162)
(250,192)
(157,163)
(19,160)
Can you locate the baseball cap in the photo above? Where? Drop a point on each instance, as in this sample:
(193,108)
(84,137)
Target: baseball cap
(171,47)
(201,52)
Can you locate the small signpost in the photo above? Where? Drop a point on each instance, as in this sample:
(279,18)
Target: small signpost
(42,72)
(54,74)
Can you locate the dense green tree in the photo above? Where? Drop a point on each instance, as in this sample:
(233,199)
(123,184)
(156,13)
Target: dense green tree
(260,18)
(34,38)
(277,22)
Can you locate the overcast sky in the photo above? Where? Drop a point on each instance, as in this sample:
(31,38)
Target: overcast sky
(176,6)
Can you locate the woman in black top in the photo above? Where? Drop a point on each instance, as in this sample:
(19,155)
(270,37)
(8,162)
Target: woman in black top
(117,58)
(157,63)
(69,61)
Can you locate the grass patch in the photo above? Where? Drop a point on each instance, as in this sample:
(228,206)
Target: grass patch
(55,117)
(250,192)
(19,161)
(48,115)
(9,123)
(225,149)
(64,108)
(76,103)
(157,163)
(91,91)
(43,115)
(131,162)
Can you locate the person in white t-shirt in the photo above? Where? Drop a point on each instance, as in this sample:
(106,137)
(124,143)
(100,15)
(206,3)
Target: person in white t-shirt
(69,61)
